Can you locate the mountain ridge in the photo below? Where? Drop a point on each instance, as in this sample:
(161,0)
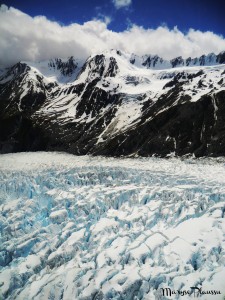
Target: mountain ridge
(115,103)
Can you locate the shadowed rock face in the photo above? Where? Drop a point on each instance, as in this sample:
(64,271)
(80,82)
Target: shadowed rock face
(112,107)
(184,128)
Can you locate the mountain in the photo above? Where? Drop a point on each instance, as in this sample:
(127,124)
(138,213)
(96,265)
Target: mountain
(114,104)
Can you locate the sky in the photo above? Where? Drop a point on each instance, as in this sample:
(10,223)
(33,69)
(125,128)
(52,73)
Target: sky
(41,29)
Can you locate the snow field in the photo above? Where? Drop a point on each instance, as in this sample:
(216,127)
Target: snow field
(103,228)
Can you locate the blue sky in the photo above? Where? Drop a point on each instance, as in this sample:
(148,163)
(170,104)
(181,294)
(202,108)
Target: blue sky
(43,29)
(205,15)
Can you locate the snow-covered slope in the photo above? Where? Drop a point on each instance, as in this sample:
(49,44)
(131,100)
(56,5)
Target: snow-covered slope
(57,70)
(100,105)
(97,228)
(156,62)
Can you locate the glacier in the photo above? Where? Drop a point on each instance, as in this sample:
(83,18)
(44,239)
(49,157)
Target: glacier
(110,228)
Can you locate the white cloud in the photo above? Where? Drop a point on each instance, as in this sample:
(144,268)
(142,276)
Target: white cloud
(25,38)
(121,3)
(104,18)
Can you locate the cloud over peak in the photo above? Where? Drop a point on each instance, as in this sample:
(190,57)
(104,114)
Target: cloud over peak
(37,38)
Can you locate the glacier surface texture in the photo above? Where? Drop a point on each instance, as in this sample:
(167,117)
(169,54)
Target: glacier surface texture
(88,228)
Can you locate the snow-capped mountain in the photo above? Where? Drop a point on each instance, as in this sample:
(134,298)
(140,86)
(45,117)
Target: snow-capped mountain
(156,62)
(115,103)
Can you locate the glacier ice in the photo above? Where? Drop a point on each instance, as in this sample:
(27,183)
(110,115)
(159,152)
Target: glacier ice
(104,228)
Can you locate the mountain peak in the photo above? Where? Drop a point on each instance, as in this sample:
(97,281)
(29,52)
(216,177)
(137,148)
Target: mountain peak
(116,103)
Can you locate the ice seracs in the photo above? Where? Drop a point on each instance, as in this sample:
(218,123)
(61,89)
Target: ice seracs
(103,228)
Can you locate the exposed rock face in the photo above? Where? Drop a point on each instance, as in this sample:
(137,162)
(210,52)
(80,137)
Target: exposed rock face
(115,104)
